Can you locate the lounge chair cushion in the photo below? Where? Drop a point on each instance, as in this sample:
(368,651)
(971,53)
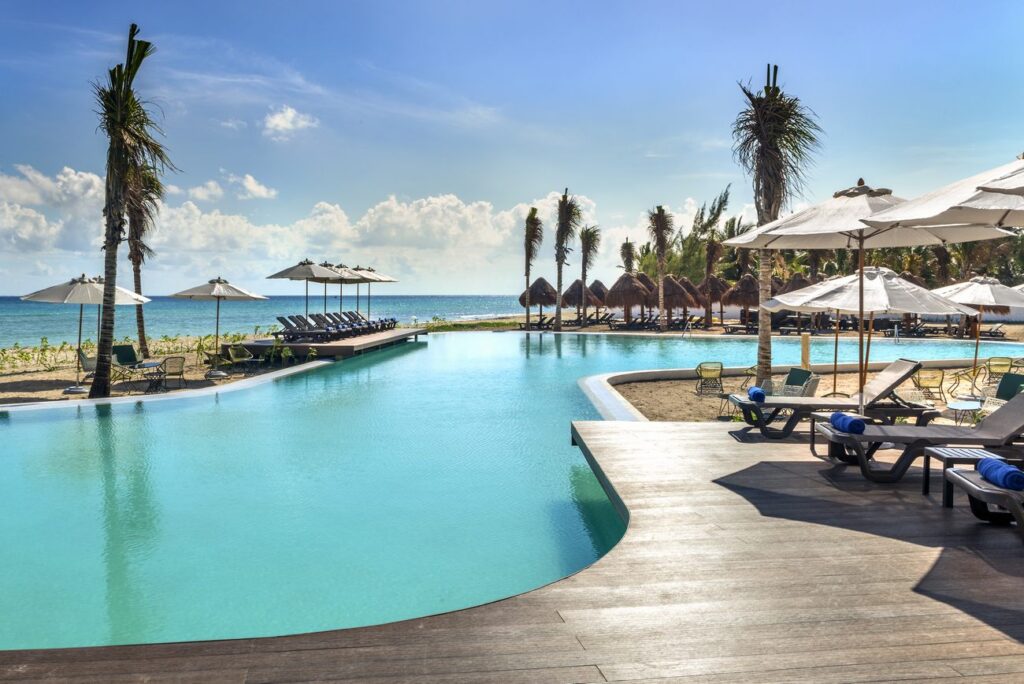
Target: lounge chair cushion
(1001,473)
(844,422)
(756,394)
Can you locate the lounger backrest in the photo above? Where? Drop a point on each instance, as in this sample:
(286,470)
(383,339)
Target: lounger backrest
(888,379)
(798,377)
(288,325)
(125,354)
(1005,423)
(1009,386)
(88,365)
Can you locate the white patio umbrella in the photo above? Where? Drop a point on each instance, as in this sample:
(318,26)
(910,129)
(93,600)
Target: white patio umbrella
(342,274)
(370,276)
(306,270)
(984,294)
(884,293)
(82,291)
(217,289)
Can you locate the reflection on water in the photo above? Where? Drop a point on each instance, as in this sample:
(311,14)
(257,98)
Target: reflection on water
(602,522)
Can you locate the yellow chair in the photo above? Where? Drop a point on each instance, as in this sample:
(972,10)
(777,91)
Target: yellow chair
(930,381)
(709,377)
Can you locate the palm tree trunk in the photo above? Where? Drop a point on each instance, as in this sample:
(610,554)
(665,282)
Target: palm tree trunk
(662,321)
(527,296)
(101,381)
(558,295)
(764,317)
(707,279)
(583,277)
(140,321)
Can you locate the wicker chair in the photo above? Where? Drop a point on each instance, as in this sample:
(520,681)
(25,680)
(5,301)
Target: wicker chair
(996,367)
(930,381)
(709,377)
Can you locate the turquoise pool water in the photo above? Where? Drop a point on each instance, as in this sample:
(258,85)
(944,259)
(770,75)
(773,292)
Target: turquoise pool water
(426,478)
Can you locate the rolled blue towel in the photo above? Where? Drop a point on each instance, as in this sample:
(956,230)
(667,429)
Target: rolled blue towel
(756,394)
(1001,473)
(847,423)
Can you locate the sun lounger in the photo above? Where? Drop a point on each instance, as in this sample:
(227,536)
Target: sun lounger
(981,493)
(995,331)
(879,403)
(1003,427)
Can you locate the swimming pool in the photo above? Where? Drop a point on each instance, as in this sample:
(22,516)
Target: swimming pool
(421,479)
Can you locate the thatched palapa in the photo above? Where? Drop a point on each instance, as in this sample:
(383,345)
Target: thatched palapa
(599,290)
(541,294)
(626,293)
(575,294)
(798,282)
(743,294)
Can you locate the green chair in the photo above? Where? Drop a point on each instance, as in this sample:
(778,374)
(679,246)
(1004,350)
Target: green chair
(930,382)
(709,377)
(123,363)
(1010,385)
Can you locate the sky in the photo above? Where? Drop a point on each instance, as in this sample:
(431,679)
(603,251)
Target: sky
(414,136)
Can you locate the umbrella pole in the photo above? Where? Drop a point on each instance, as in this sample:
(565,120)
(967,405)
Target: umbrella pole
(216,334)
(367,300)
(341,298)
(860,320)
(307,296)
(357,297)
(835,358)
(977,343)
(867,350)
(325,297)
(78,357)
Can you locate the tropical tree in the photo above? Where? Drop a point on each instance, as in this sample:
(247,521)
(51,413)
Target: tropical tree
(533,235)
(736,260)
(708,231)
(143,192)
(627,252)
(774,138)
(659,225)
(569,217)
(132,144)
(590,242)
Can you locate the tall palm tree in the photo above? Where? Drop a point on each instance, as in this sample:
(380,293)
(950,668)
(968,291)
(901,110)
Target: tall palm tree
(143,193)
(590,242)
(774,138)
(707,229)
(627,252)
(533,235)
(132,144)
(569,217)
(659,225)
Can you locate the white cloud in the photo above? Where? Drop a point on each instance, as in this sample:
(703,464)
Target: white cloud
(234,124)
(76,197)
(25,229)
(282,123)
(207,192)
(251,188)
(172,189)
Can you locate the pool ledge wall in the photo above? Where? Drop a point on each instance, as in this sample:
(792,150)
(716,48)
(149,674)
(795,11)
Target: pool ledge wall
(600,389)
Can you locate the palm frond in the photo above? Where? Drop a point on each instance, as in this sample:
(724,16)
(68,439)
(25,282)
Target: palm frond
(627,252)
(533,235)
(590,242)
(660,226)
(569,219)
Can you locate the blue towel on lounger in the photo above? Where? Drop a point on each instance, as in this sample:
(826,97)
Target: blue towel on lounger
(756,394)
(847,423)
(1001,473)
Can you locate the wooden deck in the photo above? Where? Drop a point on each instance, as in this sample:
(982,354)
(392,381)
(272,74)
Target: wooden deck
(743,562)
(343,349)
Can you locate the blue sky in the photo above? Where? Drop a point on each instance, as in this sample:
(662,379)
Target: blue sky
(414,136)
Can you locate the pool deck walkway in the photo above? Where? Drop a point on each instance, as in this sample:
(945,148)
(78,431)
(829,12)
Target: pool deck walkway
(744,561)
(345,348)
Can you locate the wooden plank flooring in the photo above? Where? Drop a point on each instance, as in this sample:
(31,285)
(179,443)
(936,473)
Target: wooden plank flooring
(344,348)
(743,562)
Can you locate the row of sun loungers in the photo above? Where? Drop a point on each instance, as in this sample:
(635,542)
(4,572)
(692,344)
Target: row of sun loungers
(329,326)
(548,322)
(855,439)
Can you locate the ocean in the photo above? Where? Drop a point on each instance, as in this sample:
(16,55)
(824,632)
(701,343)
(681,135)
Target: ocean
(27,322)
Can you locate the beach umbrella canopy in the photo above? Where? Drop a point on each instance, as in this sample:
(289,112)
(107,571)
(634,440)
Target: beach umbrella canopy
(82,291)
(961,211)
(541,294)
(576,293)
(343,274)
(306,270)
(217,289)
(1019,288)
(983,294)
(370,276)
(744,293)
(627,292)
(599,290)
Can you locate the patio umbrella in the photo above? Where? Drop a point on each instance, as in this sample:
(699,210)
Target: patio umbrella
(370,276)
(541,294)
(696,298)
(744,294)
(626,293)
(217,289)
(343,274)
(884,292)
(678,295)
(305,270)
(652,289)
(713,288)
(82,291)
(984,294)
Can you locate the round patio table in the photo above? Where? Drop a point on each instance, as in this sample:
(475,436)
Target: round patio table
(962,407)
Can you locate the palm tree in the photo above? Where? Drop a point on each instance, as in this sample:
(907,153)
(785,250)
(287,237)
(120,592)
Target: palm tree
(590,242)
(132,144)
(706,229)
(568,223)
(659,225)
(533,235)
(774,138)
(143,193)
(627,252)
